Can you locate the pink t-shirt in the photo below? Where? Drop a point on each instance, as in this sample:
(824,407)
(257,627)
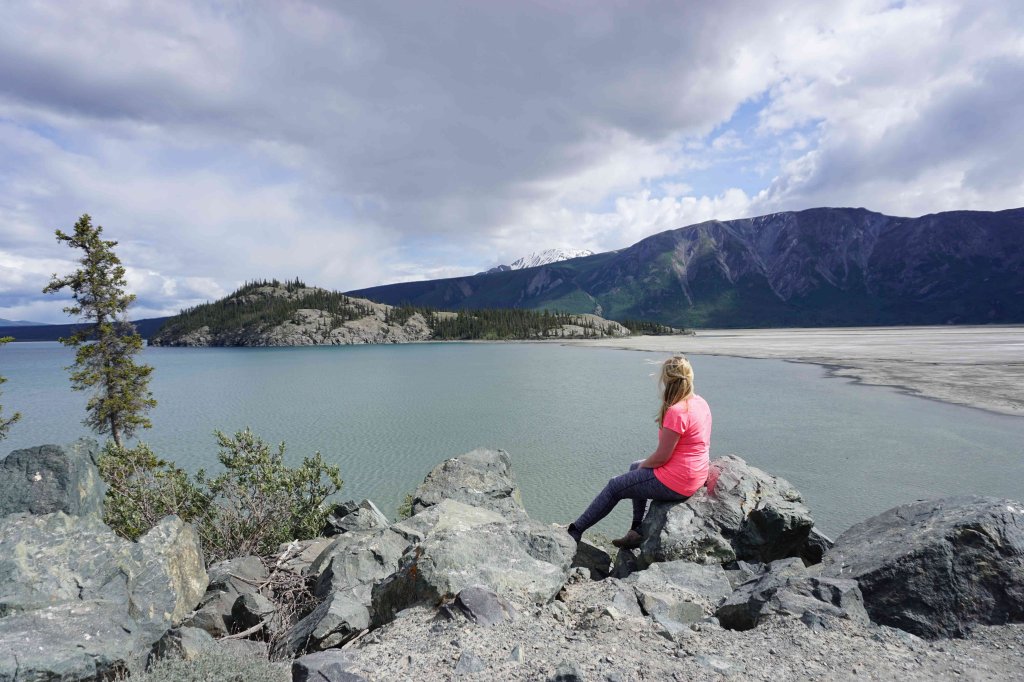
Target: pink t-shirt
(687,469)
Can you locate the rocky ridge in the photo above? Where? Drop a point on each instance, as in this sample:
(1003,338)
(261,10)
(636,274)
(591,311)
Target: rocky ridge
(734,583)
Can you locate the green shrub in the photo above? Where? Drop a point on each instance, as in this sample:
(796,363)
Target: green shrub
(142,489)
(251,507)
(404,510)
(214,664)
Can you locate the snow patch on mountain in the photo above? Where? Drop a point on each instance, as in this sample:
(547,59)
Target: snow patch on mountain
(542,258)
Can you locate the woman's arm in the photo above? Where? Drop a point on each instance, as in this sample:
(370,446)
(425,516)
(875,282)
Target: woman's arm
(667,439)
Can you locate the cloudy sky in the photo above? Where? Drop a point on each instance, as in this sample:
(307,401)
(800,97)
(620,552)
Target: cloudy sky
(362,143)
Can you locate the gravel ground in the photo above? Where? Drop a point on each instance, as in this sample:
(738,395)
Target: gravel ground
(577,631)
(976,366)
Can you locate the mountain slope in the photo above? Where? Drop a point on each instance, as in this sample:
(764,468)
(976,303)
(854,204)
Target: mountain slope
(819,267)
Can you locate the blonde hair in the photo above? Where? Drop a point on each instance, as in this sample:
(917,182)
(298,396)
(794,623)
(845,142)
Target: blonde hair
(676,382)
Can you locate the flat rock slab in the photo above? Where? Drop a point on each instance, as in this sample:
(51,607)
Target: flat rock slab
(936,568)
(50,478)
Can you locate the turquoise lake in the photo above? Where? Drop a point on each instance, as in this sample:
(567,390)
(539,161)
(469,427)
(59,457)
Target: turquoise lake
(570,417)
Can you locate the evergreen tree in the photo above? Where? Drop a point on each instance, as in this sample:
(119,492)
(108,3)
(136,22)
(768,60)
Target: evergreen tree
(108,343)
(5,422)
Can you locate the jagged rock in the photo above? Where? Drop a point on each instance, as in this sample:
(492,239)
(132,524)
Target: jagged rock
(56,558)
(524,560)
(363,517)
(678,593)
(936,568)
(185,643)
(228,580)
(625,564)
(251,609)
(784,593)
(78,640)
(333,622)
(594,559)
(483,606)
(481,478)
(50,478)
(567,672)
(354,562)
(241,575)
(743,513)
(173,576)
(446,515)
(469,663)
(65,580)
(214,614)
(298,555)
(814,549)
(325,666)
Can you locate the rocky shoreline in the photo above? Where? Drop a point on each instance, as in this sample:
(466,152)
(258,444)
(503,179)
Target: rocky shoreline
(734,583)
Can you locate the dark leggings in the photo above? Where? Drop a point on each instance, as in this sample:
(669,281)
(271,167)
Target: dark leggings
(638,485)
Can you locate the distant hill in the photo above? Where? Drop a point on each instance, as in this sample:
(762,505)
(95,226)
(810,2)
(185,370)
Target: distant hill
(52,332)
(273,313)
(19,323)
(819,267)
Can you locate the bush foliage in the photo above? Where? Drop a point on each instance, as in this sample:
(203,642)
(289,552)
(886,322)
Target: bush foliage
(256,503)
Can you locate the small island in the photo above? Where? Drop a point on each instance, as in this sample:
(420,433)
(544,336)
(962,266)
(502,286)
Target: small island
(274,313)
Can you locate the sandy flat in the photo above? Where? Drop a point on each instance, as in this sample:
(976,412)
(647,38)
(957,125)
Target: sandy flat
(978,366)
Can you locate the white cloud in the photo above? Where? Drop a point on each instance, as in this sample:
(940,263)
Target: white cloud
(389,141)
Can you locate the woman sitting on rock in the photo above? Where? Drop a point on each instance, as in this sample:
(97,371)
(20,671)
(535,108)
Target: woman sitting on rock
(676,470)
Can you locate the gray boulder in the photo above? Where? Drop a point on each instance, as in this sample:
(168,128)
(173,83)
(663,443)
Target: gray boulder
(241,575)
(483,606)
(185,643)
(593,559)
(214,614)
(625,563)
(481,478)
(332,623)
(784,593)
(50,478)
(81,640)
(325,666)
(938,567)
(347,517)
(249,610)
(524,561)
(814,549)
(298,555)
(354,562)
(677,593)
(743,513)
(87,600)
(172,576)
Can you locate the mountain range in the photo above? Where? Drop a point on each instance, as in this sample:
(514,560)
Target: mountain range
(817,267)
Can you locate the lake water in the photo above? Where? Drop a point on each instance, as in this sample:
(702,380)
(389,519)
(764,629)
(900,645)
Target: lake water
(570,417)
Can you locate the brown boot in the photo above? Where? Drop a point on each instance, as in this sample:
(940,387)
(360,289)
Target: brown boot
(630,540)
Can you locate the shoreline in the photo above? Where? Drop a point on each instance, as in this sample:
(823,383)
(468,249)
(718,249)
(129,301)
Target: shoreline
(980,367)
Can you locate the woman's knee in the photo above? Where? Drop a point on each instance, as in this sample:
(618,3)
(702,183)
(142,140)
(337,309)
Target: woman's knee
(635,465)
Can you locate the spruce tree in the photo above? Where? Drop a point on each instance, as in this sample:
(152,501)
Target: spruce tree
(108,342)
(5,422)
